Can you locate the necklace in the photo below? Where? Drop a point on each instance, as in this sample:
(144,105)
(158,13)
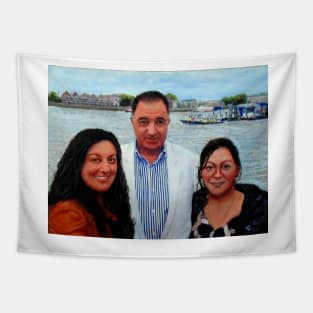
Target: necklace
(217,216)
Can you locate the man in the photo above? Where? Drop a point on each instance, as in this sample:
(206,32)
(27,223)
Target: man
(160,175)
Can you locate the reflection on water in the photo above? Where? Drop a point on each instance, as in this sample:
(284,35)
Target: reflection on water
(249,136)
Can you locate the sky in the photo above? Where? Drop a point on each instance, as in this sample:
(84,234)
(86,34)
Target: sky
(201,84)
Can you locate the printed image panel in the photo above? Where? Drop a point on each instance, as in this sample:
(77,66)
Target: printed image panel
(158,154)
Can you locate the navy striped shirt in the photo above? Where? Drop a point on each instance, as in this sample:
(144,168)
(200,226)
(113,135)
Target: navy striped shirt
(151,182)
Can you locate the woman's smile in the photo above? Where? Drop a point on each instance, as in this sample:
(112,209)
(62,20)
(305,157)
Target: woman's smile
(217,184)
(220,172)
(100,167)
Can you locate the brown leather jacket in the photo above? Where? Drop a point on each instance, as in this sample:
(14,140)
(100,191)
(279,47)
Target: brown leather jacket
(69,217)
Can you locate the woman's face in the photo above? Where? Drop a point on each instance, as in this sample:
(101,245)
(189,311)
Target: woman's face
(220,172)
(100,166)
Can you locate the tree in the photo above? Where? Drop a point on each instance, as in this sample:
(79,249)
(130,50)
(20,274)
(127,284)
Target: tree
(235,100)
(52,96)
(126,100)
(171,96)
(241,98)
(227,100)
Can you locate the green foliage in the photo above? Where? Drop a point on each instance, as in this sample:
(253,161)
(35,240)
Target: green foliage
(52,96)
(171,96)
(227,100)
(126,100)
(235,100)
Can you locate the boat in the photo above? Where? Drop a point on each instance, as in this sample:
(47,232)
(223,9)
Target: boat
(201,118)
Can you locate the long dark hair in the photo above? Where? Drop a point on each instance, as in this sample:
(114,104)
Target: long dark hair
(67,183)
(213,145)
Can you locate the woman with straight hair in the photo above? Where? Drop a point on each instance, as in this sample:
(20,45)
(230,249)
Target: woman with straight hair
(223,207)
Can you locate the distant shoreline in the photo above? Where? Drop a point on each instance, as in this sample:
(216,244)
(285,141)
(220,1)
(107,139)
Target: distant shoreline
(100,107)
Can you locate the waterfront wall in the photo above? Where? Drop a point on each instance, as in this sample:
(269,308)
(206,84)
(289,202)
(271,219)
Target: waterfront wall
(101,107)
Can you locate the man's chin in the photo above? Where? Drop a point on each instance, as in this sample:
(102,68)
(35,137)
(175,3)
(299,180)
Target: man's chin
(152,146)
(155,144)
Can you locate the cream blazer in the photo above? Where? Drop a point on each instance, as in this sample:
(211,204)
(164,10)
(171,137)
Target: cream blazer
(182,174)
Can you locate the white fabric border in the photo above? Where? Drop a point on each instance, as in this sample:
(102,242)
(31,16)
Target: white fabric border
(32,74)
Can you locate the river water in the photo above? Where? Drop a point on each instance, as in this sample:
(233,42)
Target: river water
(250,137)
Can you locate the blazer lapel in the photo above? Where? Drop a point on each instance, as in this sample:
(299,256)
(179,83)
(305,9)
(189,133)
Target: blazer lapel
(173,182)
(128,162)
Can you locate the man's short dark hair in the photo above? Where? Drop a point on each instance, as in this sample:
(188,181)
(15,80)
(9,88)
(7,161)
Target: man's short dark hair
(148,96)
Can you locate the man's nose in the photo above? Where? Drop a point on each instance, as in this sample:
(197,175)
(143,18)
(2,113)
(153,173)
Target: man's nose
(151,128)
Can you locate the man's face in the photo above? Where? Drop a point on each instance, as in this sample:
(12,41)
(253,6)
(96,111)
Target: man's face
(150,122)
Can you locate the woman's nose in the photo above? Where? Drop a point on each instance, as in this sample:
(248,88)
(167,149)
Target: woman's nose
(218,172)
(105,167)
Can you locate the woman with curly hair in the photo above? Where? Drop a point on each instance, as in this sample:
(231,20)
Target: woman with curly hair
(89,193)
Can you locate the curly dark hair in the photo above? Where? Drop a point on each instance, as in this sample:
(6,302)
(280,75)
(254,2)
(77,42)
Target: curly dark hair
(213,145)
(67,183)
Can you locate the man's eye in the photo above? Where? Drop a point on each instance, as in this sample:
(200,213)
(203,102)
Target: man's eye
(143,122)
(160,122)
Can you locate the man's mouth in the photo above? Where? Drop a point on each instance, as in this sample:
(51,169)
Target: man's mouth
(152,139)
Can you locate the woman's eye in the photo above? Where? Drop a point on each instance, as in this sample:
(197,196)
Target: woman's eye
(95,160)
(112,160)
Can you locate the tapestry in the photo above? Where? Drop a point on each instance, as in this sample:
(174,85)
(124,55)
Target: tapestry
(179,158)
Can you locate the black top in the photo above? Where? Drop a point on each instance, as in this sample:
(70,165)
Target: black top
(253,218)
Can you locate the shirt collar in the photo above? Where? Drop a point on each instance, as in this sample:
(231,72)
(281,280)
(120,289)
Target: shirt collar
(161,156)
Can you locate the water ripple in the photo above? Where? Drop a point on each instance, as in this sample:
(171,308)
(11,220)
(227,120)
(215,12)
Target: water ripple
(249,136)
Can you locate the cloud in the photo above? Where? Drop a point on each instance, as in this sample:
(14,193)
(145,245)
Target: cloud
(202,85)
